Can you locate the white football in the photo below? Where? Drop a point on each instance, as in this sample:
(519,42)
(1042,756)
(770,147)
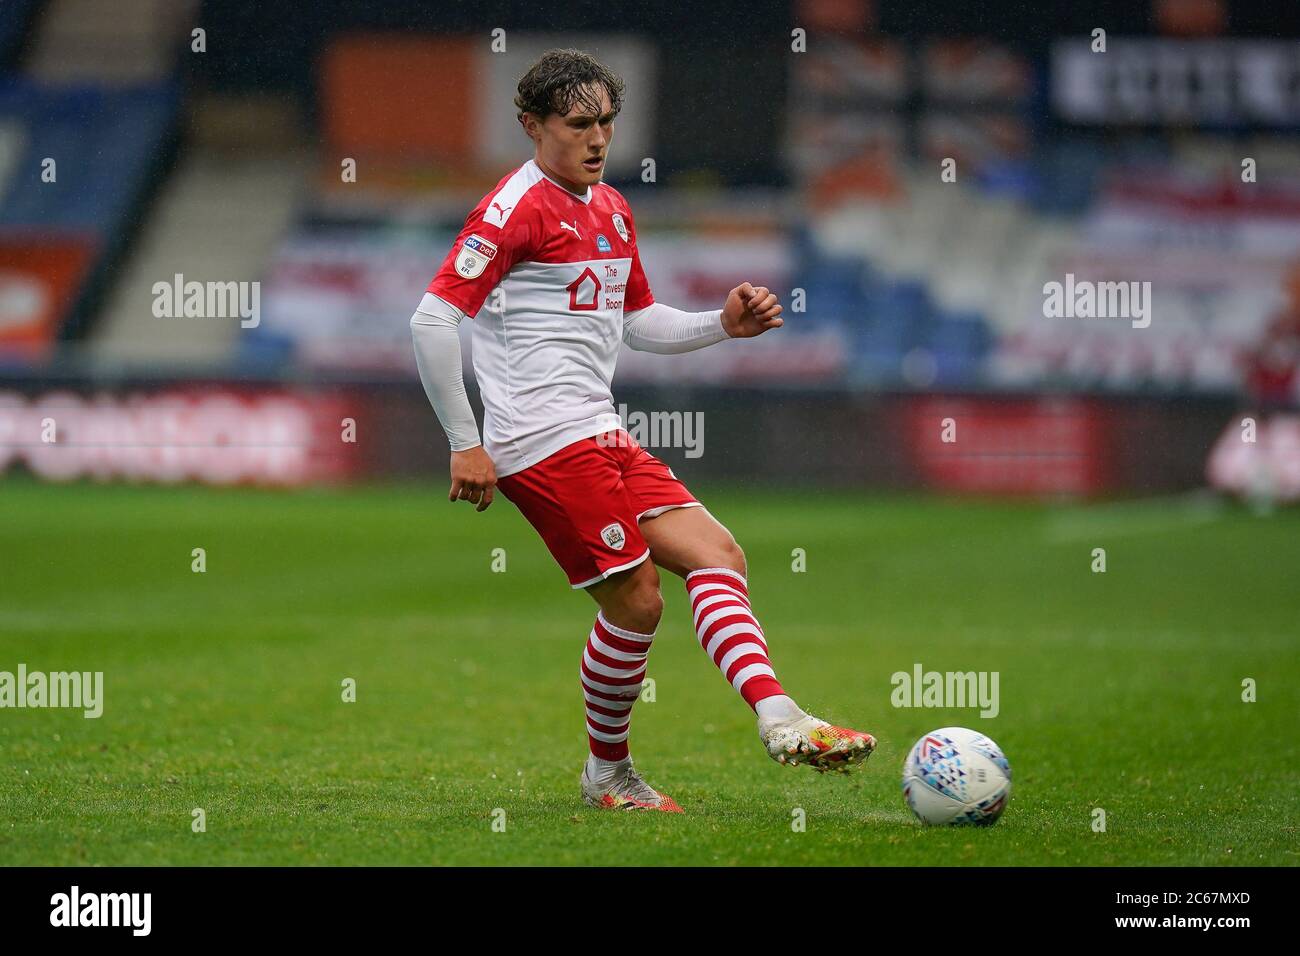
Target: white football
(956,776)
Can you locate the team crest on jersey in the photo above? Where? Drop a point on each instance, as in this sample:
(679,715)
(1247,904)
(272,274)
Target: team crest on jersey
(613,535)
(620,226)
(602,244)
(475,253)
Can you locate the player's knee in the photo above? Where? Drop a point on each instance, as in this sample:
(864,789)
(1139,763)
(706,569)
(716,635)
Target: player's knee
(640,603)
(644,601)
(646,605)
(730,555)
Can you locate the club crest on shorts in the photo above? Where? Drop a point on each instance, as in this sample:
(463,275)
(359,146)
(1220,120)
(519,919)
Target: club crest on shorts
(613,535)
(620,226)
(475,253)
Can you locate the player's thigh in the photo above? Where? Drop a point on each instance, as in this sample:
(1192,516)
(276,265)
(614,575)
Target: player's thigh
(681,535)
(577,502)
(686,539)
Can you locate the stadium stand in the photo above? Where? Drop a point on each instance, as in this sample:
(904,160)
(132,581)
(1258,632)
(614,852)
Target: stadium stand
(85,141)
(907,278)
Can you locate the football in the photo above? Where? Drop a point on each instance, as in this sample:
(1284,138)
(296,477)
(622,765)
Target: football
(956,776)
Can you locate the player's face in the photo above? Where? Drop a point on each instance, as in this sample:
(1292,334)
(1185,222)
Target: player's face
(573,147)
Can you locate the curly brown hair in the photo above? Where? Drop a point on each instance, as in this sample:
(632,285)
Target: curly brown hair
(563,79)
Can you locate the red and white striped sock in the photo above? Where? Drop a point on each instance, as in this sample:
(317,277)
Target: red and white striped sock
(730,634)
(613,667)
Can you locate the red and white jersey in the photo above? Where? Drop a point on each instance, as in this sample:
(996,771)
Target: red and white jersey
(547,276)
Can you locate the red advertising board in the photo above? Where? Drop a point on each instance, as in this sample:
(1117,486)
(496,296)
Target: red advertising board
(1014,446)
(217,436)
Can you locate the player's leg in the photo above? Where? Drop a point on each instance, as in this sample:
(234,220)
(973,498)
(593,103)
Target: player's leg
(631,599)
(613,671)
(694,545)
(614,660)
(576,501)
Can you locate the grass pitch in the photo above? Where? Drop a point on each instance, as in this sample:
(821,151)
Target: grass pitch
(223,690)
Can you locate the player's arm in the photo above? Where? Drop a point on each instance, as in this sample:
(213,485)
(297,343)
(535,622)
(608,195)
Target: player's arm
(489,244)
(663,329)
(435,332)
(650,326)
(749,311)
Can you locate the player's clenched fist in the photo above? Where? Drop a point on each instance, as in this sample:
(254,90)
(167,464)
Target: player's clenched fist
(750,311)
(473,476)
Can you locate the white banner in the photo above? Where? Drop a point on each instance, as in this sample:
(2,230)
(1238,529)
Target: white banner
(1177,81)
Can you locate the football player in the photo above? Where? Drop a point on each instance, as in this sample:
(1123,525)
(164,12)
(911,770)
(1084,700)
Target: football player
(548,267)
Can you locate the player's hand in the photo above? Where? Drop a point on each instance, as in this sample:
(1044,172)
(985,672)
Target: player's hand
(473,476)
(750,311)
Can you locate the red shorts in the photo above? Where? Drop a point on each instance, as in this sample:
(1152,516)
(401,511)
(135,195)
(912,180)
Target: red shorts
(586,501)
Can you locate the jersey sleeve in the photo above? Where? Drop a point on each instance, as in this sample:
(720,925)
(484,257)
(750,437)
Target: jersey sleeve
(638,295)
(481,256)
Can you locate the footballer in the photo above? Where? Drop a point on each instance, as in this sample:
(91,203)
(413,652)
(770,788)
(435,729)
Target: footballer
(548,268)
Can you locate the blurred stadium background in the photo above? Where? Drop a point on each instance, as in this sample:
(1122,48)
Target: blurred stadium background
(329,152)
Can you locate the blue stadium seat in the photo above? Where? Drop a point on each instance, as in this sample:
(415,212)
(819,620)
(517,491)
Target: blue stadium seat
(104,144)
(959,342)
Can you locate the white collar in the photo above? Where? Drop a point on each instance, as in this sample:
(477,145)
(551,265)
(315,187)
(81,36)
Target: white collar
(567,191)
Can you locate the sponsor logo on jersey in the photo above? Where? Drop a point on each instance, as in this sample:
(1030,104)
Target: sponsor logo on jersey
(475,253)
(602,244)
(620,226)
(572,228)
(579,289)
(612,534)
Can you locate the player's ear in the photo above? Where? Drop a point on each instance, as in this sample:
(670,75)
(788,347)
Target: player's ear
(529,122)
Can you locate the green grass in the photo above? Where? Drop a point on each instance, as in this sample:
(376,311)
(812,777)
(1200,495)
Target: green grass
(1119,690)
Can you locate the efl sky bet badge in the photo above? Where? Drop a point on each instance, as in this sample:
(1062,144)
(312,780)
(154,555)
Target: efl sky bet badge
(602,244)
(475,253)
(613,535)
(619,226)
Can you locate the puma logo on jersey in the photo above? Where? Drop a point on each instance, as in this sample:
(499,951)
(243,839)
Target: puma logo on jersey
(573,229)
(497,214)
